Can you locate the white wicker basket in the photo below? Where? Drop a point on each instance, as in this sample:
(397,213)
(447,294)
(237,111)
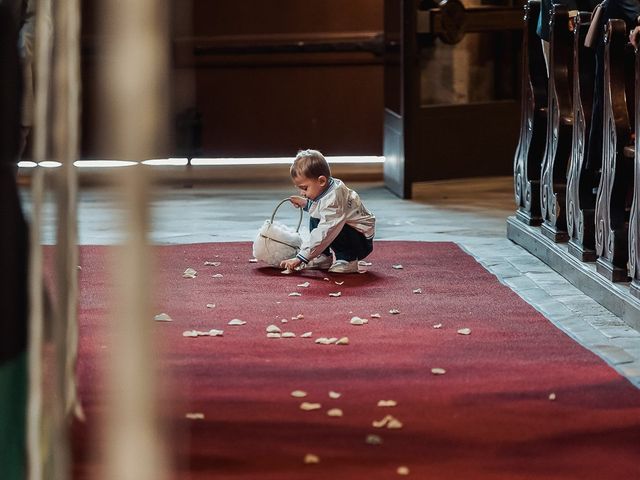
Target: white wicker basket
(276,241)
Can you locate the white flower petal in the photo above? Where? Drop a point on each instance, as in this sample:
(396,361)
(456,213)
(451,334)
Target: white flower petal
(189,273)
(308,406)
(236,321)
(195,416)
(310,459)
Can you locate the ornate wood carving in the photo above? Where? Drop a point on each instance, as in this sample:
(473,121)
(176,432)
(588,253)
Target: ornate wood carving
(634,221)
(581,182)
(615,180)
(559,128)
(533,121)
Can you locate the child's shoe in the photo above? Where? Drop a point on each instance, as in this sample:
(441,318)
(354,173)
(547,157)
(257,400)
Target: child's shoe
(321,262)
(344,266)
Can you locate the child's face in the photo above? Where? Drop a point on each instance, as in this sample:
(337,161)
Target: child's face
(310,187)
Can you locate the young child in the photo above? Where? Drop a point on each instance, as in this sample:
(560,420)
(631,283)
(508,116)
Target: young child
(338,219)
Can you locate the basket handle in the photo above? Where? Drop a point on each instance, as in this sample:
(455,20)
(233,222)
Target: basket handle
(278,206)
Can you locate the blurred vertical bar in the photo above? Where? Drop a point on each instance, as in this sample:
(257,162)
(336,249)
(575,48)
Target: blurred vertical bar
(133,76)
(38,439)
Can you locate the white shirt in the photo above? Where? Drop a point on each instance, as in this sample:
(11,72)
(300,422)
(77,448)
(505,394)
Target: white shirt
(337,206)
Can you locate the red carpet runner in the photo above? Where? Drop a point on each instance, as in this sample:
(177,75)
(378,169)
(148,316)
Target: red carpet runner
(488,417)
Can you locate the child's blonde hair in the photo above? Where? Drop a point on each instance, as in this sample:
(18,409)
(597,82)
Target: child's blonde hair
(311,164)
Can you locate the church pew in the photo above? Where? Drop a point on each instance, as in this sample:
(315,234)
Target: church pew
(559,128)
(581,182)
(616,183)
(533,121)
(634,220)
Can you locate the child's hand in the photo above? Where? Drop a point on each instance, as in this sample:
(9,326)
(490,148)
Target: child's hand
(290,264)
(299,202)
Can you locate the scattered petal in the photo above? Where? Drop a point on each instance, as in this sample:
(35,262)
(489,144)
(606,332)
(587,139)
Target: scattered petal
(358,321)
(211,305)
(339,283)
(364,264)
(78,267)
(402,470)
(286,272)
(189,273)
(375,315)
(214,264)
(335,294)
(299,394)
(373,440)
(394,311)
(273,329)
(334,395)
(217,275)
(326,341)
(326,279)
(398,267)
(284,320)
(438,371)
(387,403)
(236,321)
(310,458)
(288,335)
(163,317)
(304,285)
(464,331)
(253,260)
(394,424)
(195,416)
(273,335)
(298,317)
(308,406)
(552,396)
(334,412)
(343,341)
(306,335)
(417,290)
(437,325)
(382,423)
(198,333)
(295,294)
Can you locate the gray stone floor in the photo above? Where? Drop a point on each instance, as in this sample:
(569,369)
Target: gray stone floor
(471,213)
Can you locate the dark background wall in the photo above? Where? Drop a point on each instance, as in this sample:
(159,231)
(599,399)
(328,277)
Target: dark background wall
(244,77)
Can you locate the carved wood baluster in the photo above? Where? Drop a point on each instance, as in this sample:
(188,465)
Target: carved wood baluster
(634,221)
(559,128)
(615,180)
(530,151)
(581,182)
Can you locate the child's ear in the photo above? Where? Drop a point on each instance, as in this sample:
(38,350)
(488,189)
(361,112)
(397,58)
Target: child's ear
(323,180)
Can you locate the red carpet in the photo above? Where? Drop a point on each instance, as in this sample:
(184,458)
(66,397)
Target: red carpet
(488,417)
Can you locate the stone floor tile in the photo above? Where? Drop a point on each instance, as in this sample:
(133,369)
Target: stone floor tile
(613,354)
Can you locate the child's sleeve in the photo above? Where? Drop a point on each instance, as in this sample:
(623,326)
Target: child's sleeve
(332,219)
